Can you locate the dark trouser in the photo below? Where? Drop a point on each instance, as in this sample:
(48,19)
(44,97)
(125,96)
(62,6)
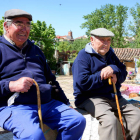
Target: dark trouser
(103,110)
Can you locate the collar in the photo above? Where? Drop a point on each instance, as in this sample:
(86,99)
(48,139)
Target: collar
(13,43)
(89,48)
(9,40)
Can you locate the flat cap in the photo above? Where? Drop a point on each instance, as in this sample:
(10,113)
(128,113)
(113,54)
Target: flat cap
(17,13)
(101,32)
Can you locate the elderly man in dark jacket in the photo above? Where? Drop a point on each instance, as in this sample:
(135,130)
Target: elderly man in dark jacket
(91,70)
(21,62)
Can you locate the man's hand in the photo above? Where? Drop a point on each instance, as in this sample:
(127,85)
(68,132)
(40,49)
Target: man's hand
(21,85)
(106,73)
(114,78)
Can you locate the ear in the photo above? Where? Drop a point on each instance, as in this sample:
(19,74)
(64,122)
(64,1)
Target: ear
(91,39)
(5,26)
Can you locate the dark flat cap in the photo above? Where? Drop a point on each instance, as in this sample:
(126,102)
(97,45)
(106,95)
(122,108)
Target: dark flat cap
(17,13)
(102,32)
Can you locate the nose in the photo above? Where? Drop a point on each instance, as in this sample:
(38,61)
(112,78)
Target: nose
(105,43)
(24,27)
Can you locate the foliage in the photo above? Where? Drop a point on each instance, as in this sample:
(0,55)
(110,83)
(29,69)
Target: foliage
(63,46)
(72,48)
(134,26)
(79,44)
(110,17)
(72,56)
(1,26)
(44,38)
(52,64)
(135,12)
(138,63)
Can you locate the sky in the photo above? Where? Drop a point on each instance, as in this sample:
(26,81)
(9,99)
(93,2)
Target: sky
(64,15)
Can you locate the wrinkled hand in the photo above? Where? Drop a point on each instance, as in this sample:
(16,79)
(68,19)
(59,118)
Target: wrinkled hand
(106,73)
(21,85)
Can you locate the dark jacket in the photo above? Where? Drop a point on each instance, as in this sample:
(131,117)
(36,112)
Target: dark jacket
(29,62)
(86,71)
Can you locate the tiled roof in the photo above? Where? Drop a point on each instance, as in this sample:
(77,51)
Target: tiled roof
(82,37)
(63,37)
(127,54)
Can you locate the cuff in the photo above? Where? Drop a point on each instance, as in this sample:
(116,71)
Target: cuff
(70,105)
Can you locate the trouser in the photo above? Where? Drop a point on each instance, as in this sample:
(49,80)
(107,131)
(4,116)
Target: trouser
(103,109)
(23,121)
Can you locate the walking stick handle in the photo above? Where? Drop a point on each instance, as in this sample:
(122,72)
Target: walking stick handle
(109,81)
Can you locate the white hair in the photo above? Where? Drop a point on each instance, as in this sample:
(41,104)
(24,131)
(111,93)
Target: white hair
(93,36)
(8,23)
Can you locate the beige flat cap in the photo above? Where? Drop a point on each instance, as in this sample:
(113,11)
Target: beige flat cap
(101,32)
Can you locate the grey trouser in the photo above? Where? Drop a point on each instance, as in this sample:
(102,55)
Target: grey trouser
(103,110)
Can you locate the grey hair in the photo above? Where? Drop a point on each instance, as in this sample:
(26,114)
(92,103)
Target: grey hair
(93,36)
(8,23)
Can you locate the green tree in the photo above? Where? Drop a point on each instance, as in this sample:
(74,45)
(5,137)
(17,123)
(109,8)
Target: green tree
(79,44)
(1,26)
(63,46)
(44,37)
(110,17)
(134,26)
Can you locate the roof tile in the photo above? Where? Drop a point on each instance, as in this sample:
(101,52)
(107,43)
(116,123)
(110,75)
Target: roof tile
(127,54)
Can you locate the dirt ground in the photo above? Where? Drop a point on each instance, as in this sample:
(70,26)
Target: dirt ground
(66,83)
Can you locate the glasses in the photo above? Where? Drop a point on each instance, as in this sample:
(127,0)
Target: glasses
(21,25)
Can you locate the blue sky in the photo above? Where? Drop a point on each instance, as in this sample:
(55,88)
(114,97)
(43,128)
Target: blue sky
(64,17)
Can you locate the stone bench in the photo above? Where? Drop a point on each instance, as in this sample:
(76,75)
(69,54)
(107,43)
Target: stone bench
(2,131)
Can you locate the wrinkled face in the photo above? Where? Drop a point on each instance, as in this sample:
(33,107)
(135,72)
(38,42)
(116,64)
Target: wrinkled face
(15,32)
(101,44)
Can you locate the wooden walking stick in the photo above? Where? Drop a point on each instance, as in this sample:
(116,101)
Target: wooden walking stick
(118,107)
(39,105)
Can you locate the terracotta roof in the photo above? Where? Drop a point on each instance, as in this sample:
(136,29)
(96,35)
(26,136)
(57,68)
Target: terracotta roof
(63,37)
(82,37)
(127,54)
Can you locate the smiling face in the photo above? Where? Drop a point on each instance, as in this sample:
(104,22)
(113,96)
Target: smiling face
(18,35)
(101,44)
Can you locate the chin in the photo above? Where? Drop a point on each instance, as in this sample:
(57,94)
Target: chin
(22,40)
(103,53)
